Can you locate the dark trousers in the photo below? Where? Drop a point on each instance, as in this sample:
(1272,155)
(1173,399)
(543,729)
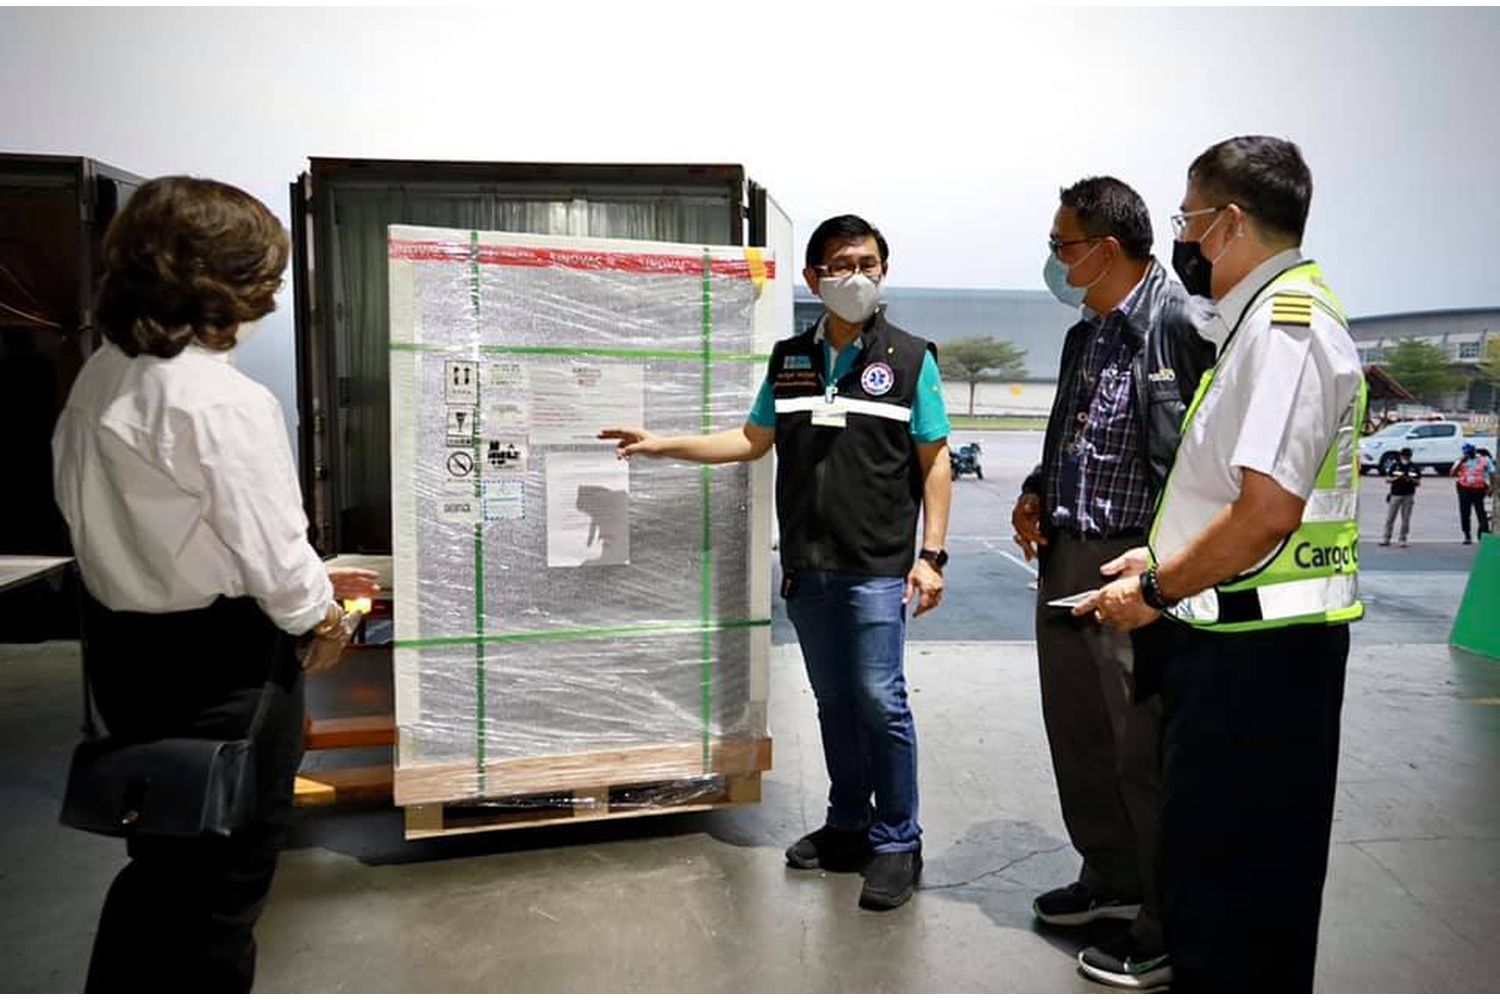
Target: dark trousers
(1473,500)
(1250,761)
(181,914)
(1105,740)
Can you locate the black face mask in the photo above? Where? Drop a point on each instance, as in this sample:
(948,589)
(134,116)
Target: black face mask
(1192,267)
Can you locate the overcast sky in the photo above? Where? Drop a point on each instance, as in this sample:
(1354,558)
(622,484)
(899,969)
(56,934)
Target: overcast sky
(950,130)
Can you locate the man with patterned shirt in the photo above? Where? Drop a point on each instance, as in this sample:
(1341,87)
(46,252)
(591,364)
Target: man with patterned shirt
(1128,370)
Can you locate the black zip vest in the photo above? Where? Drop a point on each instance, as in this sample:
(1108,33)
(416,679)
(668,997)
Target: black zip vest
(847,497)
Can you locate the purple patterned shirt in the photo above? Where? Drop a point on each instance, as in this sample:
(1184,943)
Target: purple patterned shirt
(1100,482)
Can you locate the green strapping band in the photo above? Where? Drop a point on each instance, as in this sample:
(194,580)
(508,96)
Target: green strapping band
(706,478)
(480,693)
(573,634)
(637,353)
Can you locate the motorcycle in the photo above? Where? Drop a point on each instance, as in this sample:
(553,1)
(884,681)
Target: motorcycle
(965,458)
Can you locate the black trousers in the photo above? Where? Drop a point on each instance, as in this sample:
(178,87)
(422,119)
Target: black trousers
(1473,500)
(181,914)
(1251,746)
(1105,736)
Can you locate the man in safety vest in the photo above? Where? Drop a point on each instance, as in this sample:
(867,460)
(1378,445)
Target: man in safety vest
(1473,472)
(1254,553)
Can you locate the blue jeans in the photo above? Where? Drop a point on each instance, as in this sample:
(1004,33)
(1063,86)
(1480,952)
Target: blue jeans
(852,629)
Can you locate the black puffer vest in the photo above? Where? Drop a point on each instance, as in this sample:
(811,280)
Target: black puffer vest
(847,497)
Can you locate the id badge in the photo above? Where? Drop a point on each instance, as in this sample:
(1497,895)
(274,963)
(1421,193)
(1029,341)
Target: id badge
(829,416)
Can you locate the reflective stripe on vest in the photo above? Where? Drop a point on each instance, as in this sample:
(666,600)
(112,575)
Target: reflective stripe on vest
(1311,577)
(843,404)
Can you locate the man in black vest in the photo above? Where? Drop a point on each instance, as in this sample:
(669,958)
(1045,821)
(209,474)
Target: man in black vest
(855,409)
(1405,476)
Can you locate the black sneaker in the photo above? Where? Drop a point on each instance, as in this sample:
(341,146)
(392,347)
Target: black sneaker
(1121,963)
(890,880)
(1074,905)
(831,849)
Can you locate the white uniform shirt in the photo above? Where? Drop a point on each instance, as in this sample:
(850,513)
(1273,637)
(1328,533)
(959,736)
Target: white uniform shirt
(1276,404)
(176,480)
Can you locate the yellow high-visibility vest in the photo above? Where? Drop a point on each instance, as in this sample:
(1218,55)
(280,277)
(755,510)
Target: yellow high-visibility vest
(1312,576)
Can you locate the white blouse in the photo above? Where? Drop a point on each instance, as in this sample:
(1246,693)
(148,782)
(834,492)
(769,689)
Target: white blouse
(177,483)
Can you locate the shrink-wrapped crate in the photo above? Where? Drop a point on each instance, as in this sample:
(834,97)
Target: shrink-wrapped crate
(567,624)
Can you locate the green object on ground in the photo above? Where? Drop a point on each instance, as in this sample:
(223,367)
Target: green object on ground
(1477,627)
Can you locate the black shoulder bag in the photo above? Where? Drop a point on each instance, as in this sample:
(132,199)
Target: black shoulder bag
(173,787)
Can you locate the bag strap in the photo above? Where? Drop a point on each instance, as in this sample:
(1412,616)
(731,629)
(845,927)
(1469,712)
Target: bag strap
(90,730)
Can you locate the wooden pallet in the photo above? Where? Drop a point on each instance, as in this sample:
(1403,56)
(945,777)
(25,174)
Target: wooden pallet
(440,784)
(581,805)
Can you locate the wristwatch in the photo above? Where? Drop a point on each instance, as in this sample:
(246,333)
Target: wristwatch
(332,623)
(321,645)
(937,558)
(1151,591)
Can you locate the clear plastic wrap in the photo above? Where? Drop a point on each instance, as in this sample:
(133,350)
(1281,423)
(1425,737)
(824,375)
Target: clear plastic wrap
(571,626)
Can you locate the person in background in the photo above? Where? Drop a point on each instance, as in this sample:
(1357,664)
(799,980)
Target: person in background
(1474,473)
(175,477)
(1404,478)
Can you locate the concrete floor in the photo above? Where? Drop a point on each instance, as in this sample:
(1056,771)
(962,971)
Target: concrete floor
(704,902)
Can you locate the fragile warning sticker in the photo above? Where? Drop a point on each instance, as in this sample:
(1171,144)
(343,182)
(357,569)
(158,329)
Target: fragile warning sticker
(460,426)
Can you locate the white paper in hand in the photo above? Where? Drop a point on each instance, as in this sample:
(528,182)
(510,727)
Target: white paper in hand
(1072,600)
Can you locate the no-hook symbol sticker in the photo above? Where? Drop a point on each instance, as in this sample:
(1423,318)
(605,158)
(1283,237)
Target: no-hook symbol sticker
(460,464)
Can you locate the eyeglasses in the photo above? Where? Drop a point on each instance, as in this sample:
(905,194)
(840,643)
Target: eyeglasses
(1181,219)
(1056,245)
(843,267)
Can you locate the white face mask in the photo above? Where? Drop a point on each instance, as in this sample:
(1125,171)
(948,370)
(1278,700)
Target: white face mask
(1213,328)
(852,299)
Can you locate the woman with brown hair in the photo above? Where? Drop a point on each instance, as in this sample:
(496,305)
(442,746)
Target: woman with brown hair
(174,474)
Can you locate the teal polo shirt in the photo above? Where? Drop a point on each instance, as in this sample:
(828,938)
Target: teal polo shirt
(929,414)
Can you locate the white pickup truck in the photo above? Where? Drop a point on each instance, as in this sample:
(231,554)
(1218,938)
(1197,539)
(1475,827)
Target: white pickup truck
(1437,444)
